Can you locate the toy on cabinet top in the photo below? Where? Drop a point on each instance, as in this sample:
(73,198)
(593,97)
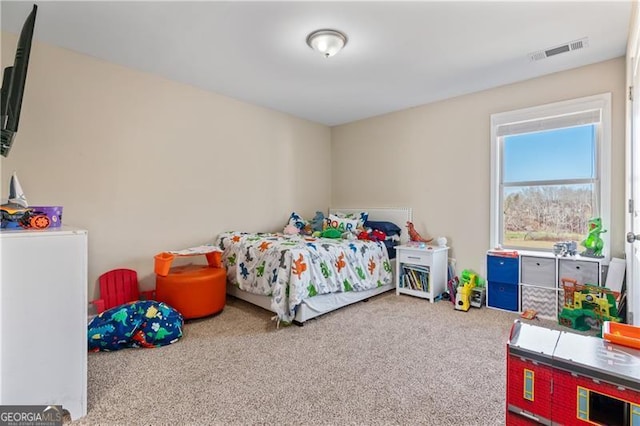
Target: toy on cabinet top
(16,213)
(593,243)
(565,248)
(415,236)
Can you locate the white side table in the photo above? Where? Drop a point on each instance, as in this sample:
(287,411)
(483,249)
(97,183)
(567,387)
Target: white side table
(421,272)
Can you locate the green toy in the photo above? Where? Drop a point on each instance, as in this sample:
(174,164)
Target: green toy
(583,301)
(467,276)
(332,233)
(593,243)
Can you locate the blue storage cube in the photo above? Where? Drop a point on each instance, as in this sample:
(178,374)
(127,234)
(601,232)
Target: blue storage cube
(502,269)
(503,296)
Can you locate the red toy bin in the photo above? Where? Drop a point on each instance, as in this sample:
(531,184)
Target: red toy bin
(54,213)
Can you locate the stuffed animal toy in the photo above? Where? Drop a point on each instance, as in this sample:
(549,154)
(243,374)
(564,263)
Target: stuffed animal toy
(372,235)
(349,236)
(378,235)
(414,236)
(331,233)
(291,229)
(317,223)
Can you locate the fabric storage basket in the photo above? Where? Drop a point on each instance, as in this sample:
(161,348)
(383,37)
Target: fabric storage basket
(543,300)
(503,296)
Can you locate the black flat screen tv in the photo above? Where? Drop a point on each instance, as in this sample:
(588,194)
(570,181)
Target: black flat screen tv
(13,82)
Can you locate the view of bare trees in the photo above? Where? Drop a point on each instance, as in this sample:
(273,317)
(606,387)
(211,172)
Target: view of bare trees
(550,213)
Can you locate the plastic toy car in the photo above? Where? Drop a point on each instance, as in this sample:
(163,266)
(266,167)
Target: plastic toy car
(565,248)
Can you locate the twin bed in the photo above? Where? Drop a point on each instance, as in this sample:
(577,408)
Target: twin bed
(301,277)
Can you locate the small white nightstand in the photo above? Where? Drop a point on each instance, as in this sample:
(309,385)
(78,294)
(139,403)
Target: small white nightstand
(421,272)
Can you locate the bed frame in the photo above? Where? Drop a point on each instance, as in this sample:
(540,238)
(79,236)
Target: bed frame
(324,303)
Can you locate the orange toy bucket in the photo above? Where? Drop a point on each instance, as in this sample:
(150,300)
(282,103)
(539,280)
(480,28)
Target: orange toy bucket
(163,263)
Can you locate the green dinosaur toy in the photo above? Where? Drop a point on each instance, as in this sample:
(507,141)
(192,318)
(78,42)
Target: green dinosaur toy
(593,243)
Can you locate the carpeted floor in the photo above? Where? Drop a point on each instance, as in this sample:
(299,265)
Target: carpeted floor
(391,360)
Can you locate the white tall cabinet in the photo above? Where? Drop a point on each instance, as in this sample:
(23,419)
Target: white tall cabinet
(43,318)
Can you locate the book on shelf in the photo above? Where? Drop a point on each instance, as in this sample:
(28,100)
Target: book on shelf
(415,277)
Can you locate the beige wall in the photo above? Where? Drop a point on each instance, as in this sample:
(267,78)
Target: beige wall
(436,158)
(146,164)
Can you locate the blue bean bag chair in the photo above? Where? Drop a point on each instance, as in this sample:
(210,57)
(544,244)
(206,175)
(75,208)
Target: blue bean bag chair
(139,324)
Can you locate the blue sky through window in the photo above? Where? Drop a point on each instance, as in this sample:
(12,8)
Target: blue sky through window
(567,153)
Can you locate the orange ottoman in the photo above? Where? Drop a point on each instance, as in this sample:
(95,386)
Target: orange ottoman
(193,290)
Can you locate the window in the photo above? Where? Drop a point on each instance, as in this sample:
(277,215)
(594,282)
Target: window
(528,384)
(583,404)
(550,173)
(598,408)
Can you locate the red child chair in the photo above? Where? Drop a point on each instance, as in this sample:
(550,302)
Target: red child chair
(117,287)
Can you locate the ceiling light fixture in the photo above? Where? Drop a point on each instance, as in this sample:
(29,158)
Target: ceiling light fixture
(327,42)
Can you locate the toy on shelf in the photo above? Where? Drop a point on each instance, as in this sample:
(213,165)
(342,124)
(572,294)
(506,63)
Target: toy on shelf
(16,213)
(593,243)
(565,248)
(585,301)
(415,236)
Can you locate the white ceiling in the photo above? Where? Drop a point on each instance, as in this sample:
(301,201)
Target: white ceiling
(399,54)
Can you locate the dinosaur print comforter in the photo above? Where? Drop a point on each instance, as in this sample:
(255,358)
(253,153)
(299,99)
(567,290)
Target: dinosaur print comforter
(290,268)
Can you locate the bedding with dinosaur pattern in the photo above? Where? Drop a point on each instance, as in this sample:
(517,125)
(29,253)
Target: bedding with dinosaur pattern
(290,268)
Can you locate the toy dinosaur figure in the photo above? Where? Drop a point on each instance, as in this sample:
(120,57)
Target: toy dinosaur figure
(414,236)
(593,243)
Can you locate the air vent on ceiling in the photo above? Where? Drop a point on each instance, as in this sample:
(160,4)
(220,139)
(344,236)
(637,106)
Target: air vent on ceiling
(556,50)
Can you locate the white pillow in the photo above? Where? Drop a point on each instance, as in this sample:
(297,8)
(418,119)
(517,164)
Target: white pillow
(342,224)
(361,217)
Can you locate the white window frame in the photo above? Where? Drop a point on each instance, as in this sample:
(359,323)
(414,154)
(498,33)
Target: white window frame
(600,102)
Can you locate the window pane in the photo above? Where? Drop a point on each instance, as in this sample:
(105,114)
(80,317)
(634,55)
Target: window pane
(528,385)
(635,415)
(552,155)
(583,404)
(539,216)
